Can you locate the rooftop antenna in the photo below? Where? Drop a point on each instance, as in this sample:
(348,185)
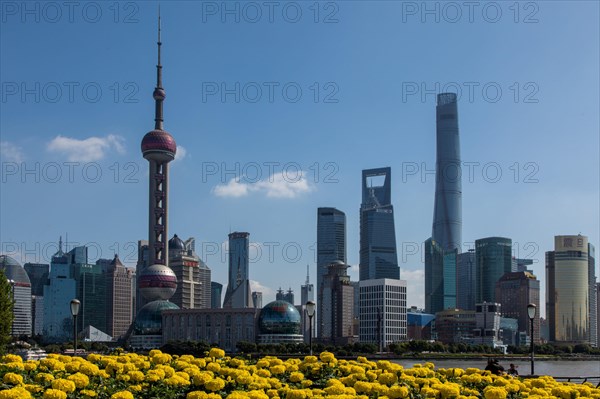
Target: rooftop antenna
(307,275)
(159,93)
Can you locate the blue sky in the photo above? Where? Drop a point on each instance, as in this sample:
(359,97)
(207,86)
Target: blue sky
(277,108)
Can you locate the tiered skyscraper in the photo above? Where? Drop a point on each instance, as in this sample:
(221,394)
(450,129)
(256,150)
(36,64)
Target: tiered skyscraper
(157,282)
(442,249)
(378,257)
(193,275)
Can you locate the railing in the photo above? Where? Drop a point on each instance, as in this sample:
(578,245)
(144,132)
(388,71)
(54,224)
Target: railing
(578,380)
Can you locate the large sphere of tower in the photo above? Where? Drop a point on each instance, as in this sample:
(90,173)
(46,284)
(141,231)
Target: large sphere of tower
(159,145)
(157,282)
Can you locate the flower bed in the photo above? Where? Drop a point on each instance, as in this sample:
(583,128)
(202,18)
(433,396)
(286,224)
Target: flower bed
(162,376)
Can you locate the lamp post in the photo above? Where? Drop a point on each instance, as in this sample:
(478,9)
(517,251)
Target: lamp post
(310,312)
(531,308)
(74,311)
(12,290)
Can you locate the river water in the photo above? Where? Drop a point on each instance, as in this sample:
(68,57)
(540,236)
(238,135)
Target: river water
(555,368)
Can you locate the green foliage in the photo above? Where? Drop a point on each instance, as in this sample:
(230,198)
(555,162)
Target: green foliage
(195,348)
(6,312)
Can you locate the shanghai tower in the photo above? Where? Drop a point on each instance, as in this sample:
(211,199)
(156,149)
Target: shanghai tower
(442,249)
(447,213)
(157,282)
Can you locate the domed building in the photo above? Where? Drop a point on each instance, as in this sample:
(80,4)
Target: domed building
(21,293)
(176,246)
(193,275)
(148,321)
(279,322)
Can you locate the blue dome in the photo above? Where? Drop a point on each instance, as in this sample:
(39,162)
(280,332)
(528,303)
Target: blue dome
(149,319)
(279,317)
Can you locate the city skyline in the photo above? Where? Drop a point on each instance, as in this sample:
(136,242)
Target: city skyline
(521,139)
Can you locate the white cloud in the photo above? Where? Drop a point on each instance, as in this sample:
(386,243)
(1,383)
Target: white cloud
(181,153)
(415,287)
(10,152)
(232,189)
(278,185)
(354,271)
(86,150)
(266,291)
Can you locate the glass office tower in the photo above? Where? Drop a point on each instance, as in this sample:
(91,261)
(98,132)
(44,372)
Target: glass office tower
(378,256)
(331,247)
(442,249)
(447,213)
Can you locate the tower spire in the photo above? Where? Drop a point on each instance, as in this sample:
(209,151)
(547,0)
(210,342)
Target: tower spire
(307,275)
(159,93)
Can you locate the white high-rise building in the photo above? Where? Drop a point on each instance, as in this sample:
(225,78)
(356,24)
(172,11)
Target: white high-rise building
(382,311)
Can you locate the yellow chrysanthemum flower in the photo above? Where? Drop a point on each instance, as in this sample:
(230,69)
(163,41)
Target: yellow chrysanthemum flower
(13,379)
(15,393)
(216,384)
(64,385)
(122,395)
(54,394)
(216,353)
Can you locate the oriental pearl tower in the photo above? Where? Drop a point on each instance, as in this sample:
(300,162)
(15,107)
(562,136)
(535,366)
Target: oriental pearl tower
(157,282)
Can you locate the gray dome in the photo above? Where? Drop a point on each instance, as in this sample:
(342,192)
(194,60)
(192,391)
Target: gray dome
(176,243)
(14,271)
(279,317)
(149,319)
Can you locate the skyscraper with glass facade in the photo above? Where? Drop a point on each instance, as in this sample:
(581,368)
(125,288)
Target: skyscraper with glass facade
(378,256)
(447,212)
(331,247)
(442,249)
(238,294)
(593,296)
(493,259)
(465,280)
(215,295)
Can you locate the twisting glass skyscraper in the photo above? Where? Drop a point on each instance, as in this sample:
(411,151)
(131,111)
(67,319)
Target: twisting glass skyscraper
(157,282)
(442,249)
(378,257)
(447,212)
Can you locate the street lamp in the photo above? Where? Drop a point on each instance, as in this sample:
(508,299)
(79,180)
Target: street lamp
(310,311)
(74,311)
(12,286)
(531,308)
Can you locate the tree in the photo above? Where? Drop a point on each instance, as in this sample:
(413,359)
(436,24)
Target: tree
(6,312)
